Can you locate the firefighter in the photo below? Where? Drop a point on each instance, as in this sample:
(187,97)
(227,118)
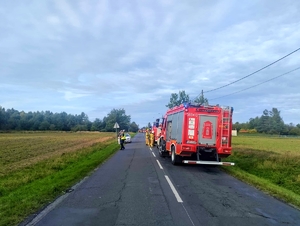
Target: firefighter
(151,139)
(122,141)
(147,137)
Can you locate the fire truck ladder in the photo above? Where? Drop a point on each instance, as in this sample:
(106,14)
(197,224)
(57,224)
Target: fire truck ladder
(225,127)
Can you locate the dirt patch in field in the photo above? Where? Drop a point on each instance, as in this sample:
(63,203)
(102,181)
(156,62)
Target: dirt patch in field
(32,161)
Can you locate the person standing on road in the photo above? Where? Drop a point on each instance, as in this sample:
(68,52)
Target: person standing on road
(122,141)
(151,139)
(147,137)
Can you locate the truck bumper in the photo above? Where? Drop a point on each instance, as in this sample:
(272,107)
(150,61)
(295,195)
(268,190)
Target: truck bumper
(209,163)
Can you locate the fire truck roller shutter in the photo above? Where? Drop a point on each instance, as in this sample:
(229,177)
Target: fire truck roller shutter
(177,121)
(180,127)
(169,127)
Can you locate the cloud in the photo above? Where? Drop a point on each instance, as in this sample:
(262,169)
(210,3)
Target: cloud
(68,12)
(87,56)
(53,20)
(74,94)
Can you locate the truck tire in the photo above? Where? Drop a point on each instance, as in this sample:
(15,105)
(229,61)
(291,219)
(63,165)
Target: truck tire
(160,151)
(162,148)
(175,158)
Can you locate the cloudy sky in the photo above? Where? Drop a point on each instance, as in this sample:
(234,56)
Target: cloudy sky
(95,55)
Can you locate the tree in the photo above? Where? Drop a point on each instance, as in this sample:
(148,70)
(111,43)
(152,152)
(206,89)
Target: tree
(44,125)
(276,121)
(61,121)
(270,122)
(97,125)
(119,116)
(133,127)
(287,128)
(264,122)
(177,99)
(14,120)
(295,131)
(201,99)
(238,126)
(254,122)
(2,117)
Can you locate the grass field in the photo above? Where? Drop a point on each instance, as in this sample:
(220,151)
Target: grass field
(37,167)
(272,164)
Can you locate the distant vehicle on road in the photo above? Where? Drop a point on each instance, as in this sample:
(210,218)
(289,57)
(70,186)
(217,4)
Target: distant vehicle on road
(128,138)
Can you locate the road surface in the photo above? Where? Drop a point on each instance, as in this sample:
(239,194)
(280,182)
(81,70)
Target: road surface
(137,187)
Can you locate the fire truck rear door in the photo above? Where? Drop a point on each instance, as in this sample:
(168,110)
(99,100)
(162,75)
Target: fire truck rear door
(207,129)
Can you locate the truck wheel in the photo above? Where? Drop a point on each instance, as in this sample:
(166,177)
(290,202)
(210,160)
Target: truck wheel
(160,152)
(161,148)
(175,158)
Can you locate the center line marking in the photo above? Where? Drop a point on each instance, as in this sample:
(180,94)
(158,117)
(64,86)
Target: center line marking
(188,214)
(159,164)
(173,189)
(153,154)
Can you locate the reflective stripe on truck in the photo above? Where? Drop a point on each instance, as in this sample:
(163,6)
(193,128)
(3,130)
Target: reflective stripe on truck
(208,163)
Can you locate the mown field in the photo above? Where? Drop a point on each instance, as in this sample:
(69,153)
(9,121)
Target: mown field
(36,167)
(272,164)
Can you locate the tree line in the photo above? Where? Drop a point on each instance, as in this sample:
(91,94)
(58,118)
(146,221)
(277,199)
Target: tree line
(11,119)
(269,123)
(182,97)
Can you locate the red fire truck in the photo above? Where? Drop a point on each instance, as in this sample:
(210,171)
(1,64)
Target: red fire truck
(196,134)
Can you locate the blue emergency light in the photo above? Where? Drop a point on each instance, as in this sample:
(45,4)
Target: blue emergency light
(186,105)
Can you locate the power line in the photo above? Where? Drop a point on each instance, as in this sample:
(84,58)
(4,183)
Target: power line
(257,84)
(253,72)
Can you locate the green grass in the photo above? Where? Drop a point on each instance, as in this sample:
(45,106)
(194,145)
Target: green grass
(272,164)
(23,192)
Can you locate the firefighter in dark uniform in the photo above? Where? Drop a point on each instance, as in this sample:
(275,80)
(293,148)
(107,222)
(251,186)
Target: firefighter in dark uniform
(122,141)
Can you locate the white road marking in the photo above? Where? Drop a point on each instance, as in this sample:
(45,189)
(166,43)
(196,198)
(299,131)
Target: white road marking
(188,214)
(151,149)
(159,164)
(153,154)
(173,189)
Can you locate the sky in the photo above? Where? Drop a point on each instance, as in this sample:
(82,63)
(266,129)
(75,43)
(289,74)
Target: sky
(93,56)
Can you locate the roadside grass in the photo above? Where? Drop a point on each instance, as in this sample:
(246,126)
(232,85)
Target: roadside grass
(23,191)
(271,164)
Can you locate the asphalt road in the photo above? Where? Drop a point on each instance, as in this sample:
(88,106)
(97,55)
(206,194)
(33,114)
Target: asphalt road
(137,187)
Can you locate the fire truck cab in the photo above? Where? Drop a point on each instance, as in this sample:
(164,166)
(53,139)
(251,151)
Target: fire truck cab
(196,134)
